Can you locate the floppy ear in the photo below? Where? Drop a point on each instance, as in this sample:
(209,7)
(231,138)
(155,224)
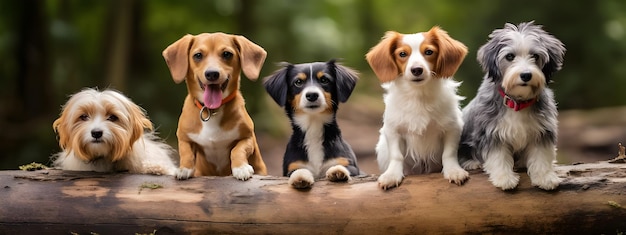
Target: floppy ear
(451,53)
(276,84)
(139,121)
(60,128)
(252,57)
(177,57)
(381,59)
(556,52)
(345,80)
(487,57)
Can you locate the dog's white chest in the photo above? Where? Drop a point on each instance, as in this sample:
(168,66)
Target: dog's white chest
(519,128)
(215,141)
(313,126)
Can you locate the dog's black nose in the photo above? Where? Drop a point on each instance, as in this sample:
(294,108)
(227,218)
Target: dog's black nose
(526,76)
(416,71)
(211,75)
(312,96)
(96,133)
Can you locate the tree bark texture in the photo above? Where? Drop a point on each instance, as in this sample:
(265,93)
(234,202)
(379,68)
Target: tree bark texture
(590,200)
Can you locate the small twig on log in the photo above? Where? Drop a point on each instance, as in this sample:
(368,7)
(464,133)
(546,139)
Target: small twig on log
(621,154)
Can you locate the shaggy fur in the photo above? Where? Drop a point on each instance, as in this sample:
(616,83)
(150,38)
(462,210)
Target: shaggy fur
(105,131)
(519,62)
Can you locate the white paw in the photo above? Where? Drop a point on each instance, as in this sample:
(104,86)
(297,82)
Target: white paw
(505,181)
(338,173)
(243,172)
(471,164)
(301,179)
(548,181)
(183,173)
(390,179)
(455,175)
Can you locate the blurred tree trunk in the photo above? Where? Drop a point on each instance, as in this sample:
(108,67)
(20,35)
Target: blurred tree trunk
(119,44)
(33,54)
(246,26)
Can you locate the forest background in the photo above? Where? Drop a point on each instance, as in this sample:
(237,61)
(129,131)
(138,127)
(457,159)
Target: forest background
(51,49)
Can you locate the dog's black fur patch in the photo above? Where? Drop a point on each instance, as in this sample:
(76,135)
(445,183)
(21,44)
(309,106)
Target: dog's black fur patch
(338,83)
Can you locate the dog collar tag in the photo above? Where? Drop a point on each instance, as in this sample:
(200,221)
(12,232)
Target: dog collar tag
(209,113)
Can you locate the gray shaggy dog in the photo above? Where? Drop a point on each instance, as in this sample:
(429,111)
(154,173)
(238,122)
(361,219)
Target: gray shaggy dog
(512,121)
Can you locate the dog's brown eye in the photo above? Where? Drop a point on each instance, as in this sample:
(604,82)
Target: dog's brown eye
(536,56)
(402,54)
(428,52)
(324,80)
(197,56)
(113,118)
(298,83)
(83,117)
(227,55)
(509,57)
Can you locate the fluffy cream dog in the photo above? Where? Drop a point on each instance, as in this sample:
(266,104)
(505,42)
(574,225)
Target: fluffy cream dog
(105,131)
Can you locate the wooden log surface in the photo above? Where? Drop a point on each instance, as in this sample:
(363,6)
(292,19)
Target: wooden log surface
(591,200)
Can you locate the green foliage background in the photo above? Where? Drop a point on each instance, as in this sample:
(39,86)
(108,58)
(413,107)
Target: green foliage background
(51,49)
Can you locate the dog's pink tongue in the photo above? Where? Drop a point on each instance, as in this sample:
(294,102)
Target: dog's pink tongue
(212,96)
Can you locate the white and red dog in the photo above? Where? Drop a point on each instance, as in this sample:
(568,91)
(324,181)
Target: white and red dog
(422,120)
(105,131)
(512,121)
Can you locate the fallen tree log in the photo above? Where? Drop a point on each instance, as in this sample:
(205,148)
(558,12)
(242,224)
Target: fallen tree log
(589,201)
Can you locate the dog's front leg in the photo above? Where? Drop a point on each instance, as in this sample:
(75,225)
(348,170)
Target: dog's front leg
(241,169)
(187,160)
(389,154)
(452,171)
(540,168)
(337,169)
(499,165)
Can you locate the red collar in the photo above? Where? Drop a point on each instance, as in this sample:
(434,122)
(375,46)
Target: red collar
(516,105)
(228,98)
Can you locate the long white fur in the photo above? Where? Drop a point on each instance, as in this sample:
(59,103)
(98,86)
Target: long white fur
(147,155)
(422,124)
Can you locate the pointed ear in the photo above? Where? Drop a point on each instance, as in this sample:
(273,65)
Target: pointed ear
(276,84)
(451,53)
(381,57)
(345,80)
(252,57)
(177,57)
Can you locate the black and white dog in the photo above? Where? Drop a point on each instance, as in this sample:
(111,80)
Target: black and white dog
(310,94)
(512,121)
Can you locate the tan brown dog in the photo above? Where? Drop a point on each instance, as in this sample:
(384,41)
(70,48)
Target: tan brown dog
(215,133)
